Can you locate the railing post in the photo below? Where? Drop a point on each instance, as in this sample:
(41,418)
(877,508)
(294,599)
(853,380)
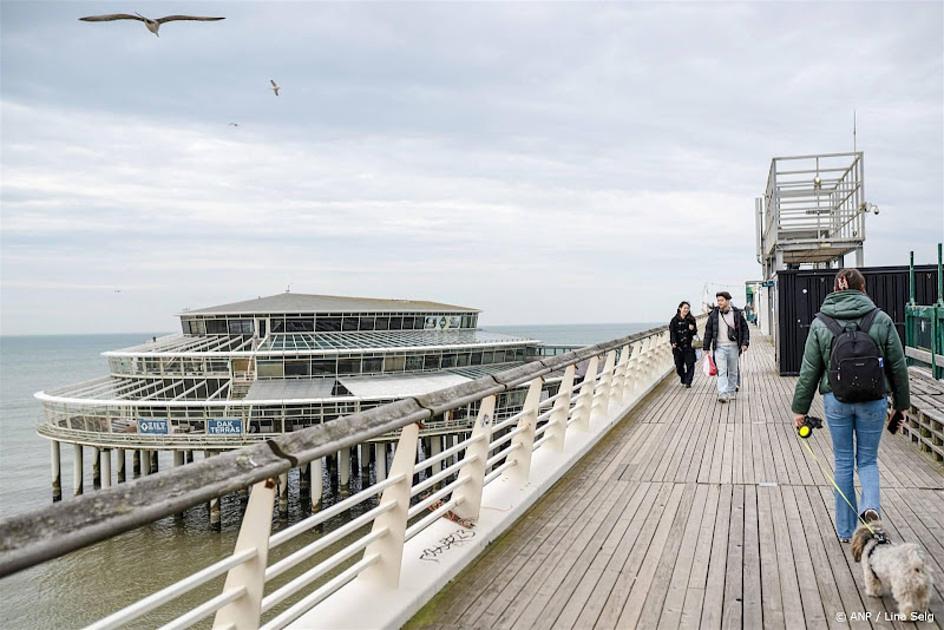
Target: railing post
(632,373)
(585,399)
(601,398)
(649,362)
(473,465)
(390,547)
(667,359)
(557,424)
(616,387)
(244,612)
(521,456)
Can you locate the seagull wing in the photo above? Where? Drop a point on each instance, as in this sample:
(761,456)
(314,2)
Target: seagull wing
(111,17)
(193,18)
(274,84)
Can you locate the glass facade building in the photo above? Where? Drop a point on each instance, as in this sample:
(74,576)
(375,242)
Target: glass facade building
(241,372)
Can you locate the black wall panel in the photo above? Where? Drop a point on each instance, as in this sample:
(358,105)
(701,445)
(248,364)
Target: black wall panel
(800,294)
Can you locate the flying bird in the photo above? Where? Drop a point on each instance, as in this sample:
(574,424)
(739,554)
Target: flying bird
(275,87)
(232,124)
(151,24)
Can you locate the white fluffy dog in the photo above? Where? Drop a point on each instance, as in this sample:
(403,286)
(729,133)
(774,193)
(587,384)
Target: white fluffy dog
(898,568)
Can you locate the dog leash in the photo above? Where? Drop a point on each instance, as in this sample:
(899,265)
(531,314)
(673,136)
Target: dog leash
(832,480)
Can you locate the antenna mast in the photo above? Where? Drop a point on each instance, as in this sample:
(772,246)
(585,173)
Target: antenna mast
(853,131)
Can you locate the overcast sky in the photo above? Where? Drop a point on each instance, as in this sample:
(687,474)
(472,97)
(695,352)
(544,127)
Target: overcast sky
(547,163)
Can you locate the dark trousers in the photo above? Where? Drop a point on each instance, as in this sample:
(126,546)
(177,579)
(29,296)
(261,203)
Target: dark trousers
(685,364)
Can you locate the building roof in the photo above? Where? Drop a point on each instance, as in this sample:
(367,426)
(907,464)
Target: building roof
(290,389)
(321,343)
(400,385)
(376,340)
(306,303)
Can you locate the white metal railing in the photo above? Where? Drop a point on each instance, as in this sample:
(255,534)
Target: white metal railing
(387,514)
(490,452)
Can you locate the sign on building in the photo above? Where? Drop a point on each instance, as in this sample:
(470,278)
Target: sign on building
(153,426)
(224,426)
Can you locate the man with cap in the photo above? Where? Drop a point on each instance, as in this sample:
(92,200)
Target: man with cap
(726,337)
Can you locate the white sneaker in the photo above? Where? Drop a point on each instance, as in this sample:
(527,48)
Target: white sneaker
(722,398)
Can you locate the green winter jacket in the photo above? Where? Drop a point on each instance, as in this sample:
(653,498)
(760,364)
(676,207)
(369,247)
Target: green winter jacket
(850,305)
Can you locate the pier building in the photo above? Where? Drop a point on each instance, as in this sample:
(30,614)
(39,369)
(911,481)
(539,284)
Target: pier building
(241,373)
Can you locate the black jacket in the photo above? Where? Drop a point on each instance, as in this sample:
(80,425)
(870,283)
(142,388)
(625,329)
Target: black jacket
(740,324)
(681,331)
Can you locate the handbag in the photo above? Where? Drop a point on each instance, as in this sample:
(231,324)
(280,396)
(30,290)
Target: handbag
(708,366)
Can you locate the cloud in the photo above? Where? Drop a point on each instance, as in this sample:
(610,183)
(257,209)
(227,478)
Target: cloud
(530,159)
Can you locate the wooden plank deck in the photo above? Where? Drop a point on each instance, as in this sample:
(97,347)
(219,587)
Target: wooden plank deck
(696,514)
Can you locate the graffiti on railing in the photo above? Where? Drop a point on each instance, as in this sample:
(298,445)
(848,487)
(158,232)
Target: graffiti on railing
(455,539)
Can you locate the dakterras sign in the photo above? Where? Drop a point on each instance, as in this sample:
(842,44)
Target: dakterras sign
(224,426)
(153,426)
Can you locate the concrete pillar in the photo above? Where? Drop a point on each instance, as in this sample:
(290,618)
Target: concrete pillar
(96,468)
(344,467)
(215,520)
(214,507)
(136,463)
(317,484)
(283,495)
(145,463)
(860,257)
(434,450)
(106,467)
(120,455)
(380,461)
(56,469)
(178,458)
(77,470)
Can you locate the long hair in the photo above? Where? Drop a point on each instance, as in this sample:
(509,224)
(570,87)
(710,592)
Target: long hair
(678,311)
(849,278)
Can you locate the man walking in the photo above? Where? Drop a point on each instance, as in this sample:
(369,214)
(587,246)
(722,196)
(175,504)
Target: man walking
(726,337)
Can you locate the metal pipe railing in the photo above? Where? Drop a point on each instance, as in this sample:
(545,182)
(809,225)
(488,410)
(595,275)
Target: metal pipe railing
(33,537)
(393,521)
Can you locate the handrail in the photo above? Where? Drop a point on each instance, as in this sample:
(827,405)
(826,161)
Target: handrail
(34,537)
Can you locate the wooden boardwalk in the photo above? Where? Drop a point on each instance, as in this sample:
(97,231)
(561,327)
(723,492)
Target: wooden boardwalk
(696,514)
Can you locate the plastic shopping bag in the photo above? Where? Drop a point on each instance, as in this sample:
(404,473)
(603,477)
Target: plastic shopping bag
(708,366)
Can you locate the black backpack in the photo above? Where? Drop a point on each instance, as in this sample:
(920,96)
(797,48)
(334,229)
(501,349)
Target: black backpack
(856,366)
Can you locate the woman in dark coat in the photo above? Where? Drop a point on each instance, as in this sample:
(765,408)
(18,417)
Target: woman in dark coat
(682,330)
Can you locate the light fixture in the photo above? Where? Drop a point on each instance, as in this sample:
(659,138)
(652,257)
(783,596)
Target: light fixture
(817,182)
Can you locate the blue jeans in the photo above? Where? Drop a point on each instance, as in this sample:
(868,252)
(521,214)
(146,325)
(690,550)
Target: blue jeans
(726,359)
(865,421)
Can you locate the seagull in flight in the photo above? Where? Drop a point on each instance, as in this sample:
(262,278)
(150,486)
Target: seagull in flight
(232,124)
(151,24)
(275,87)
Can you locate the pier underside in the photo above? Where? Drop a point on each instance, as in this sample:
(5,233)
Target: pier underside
(697,514)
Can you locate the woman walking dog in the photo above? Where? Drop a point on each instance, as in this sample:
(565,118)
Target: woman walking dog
(682,331)
(854,354)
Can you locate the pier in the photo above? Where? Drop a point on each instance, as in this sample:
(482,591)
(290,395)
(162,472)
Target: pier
(694,514)
(622,500)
